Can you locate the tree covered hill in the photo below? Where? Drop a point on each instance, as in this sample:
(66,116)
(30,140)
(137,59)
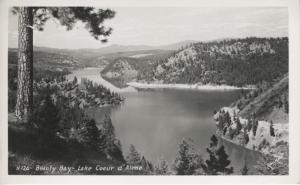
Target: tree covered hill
(235,62)
(268,102)
(59,131)
(48,60)
(259,121)
(52,58)
(124,68)
(142,55)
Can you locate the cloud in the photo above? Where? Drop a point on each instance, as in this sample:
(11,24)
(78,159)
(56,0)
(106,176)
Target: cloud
(163,25)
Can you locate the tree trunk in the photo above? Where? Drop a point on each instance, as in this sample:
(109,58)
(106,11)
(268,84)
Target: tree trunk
(24,105)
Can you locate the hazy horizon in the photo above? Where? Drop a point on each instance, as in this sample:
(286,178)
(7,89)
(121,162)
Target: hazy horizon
(113,44)
(156,26)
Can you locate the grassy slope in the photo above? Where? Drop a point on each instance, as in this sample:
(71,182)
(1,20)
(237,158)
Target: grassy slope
(264,104)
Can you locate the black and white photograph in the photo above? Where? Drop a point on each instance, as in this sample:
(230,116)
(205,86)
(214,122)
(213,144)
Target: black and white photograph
(148,90)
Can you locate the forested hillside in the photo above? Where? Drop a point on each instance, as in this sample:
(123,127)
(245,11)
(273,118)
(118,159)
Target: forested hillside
(125,67)
(48,60)
(121,70)
(236,62)
(59,130)
(259,121)
(99,57)
(267,102)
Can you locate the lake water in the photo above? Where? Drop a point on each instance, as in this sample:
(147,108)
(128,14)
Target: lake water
(156,121)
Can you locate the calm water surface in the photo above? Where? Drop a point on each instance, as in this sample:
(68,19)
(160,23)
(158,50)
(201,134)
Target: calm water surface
(156,121)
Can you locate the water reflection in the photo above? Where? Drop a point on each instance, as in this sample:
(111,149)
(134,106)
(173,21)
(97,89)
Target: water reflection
(156,121)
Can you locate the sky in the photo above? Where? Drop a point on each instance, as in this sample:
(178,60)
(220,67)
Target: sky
(165,25)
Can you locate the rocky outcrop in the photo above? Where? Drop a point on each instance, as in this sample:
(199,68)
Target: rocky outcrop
(259,121)
(252,134)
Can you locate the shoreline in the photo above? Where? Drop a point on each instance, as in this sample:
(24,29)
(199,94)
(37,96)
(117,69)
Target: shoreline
(186,86)
(262,142)
(95,76)
(132,86)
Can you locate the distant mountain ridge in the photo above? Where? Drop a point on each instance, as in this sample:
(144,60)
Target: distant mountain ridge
(48,60)
(96,57)
(114,48)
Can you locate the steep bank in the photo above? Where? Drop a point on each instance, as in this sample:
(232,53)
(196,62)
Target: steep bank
(256,137)
(259,123)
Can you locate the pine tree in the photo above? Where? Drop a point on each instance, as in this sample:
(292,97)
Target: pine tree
(231,132)
(46,116)
(218,160)
(144,163)
(162,167)
(227,119)
(75,80)
(254,127)
(249,125)
(214,141)
(90,133)
(108,131)
(24,106)
(112,146)
(133,158)
(223,161)
(187,160)
(246,137)
(238,125)
(272,131)
(150,166)
(245,170)
(182,166)
(211,165)
(221,122)
(35,18)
